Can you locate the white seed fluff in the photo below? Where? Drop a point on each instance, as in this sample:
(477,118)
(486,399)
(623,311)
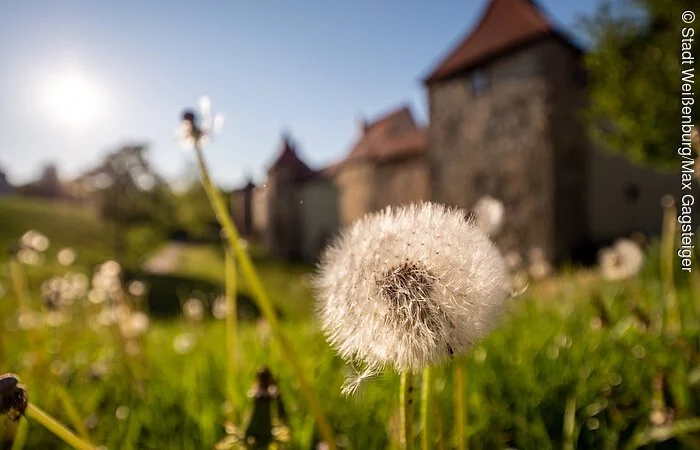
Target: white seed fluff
(489,213)
(408,287)
(623,260)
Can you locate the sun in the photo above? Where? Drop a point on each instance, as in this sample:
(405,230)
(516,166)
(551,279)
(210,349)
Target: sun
(72,99)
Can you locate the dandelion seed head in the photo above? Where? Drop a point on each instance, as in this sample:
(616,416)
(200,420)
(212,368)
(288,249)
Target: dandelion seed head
(489,214)
(66,256)
(409,286)
(137,288)
(539,268)
(193,309)
(220,308)
(184,343)
(623,260)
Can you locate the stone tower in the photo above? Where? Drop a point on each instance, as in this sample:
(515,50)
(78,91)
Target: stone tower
(284,179)
(504,121)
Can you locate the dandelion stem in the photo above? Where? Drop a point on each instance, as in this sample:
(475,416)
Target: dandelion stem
(263,302)
(569,423)
(406,400)
(425,409)
(231,327)
(72,411)
(34,412)
(672,324)
(18,283)
(20,435)
(460,412)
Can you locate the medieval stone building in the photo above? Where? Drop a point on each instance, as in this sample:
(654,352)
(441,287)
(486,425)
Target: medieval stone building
(505,111)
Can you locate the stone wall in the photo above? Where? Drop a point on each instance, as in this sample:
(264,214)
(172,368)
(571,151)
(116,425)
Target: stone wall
(356,190)
(564,71)
(625,197)
(260,210)
(401,182)
(319,216)
(497,142)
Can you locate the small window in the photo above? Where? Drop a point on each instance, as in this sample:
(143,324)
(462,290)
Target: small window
(480,82)
(631,193)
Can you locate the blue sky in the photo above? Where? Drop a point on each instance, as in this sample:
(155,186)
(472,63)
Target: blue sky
(309,67)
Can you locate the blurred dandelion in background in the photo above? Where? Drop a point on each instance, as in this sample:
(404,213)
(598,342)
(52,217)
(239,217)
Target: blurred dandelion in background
(184,343)
(623,260)
(198,128)
(66,256)
(193,309)
(219,309)
(489,214)
(409,287)
(539,267)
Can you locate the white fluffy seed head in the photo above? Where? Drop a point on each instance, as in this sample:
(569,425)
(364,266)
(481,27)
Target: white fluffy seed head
(489,214)
(409,287)
(623,260)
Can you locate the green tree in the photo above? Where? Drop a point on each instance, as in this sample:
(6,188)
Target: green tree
(129,192)
(635,77)
(195,214)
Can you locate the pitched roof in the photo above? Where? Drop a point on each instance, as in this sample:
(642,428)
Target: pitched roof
(394,135)
(289,159)
(504,25)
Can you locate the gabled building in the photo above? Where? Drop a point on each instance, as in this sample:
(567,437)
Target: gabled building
(387,165)
(505,108)
(505,111)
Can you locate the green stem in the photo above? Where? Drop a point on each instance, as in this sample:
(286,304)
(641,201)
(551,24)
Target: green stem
(460,410)
(569,423)
(263,302)
(672,324)
(19,284)
(21,434)
(231,327)
(406,400)
(34,412)
(425,409)
(72,411)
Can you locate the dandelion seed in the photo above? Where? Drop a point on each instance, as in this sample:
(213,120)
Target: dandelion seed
(29,257)
(137,288)
(383,300)
(193,309)
(220,308)
(35,240)
(353,382)
(489,214)
(66,256)
(624,260)
(122,412)
(184,343)
(135,325)
(539,268)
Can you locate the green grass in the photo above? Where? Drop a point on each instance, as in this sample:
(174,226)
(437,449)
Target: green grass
(69,225)
(570,350)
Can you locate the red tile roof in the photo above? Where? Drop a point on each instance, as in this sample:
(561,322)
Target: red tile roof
(288,159)
(505,25)
(394,135)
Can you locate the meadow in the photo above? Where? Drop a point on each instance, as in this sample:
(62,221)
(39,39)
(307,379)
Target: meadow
(577,361)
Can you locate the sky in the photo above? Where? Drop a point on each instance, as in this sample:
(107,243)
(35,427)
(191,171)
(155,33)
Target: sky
(310,68)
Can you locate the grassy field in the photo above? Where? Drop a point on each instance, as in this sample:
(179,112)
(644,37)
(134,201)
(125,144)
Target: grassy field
(576,363)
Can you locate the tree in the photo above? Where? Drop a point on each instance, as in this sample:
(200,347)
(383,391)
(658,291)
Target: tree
(635,78)
(129,192)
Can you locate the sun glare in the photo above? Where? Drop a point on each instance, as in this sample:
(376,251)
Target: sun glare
(72,99)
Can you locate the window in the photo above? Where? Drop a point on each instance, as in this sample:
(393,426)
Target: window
(480,82)
(631,193)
